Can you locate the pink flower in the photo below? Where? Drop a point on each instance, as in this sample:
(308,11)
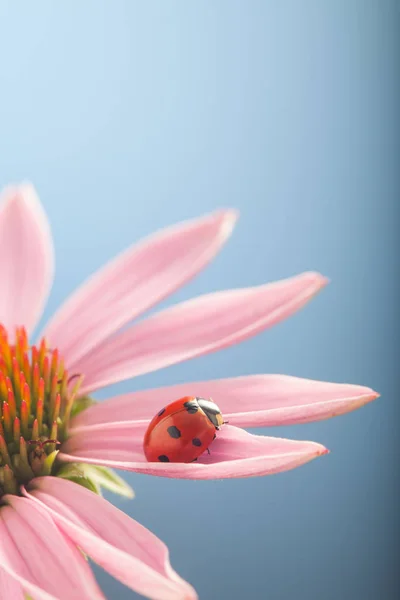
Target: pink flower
(44,518)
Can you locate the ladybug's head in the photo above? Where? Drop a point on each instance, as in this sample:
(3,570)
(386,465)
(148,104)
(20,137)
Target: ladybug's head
(211,410)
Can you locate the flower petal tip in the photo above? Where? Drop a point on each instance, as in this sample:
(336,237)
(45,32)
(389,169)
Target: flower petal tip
(368,397)
(23,196)
(324,281)
(19,194)
(320,280)
(323,451)
(227,218)
(317,282)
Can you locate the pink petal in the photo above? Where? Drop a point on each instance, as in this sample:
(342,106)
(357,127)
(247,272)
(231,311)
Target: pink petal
(10,588)
(119,544)
(40,557)
(135,281)
(250,401)
(26,258)
(235,453)
(283,400)
(204,324)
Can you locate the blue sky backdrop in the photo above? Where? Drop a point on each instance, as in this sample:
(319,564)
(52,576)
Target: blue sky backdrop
(129,116)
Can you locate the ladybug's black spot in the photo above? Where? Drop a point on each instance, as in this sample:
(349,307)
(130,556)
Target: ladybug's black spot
(162,411)
(163,458)
(191,406)
(174,432)
(196,442)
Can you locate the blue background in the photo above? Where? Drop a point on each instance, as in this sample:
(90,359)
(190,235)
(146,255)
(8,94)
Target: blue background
(128,116)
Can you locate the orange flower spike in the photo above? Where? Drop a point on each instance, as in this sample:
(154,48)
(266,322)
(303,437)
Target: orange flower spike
(22,450)
(63,387)
(61,368)
(6,354)
(57,405)
(26,368)
(46,373)
(22,382)
(24,419)
(1,429)
(35,380)
(7,422)
(16,378)
(39,415)
(35,430)
(41,390)
(54,387)
(26,395)
(21,347)
(3,366)
(24,340)
(3,386)
(54,364)
(17,430)
(34,357)
(11,403)
(4,451)
(18,348)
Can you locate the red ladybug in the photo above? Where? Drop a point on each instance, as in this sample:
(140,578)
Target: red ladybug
(182,431)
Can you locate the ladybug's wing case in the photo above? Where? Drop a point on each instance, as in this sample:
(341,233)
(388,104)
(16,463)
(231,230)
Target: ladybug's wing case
(171,409)
(178,435)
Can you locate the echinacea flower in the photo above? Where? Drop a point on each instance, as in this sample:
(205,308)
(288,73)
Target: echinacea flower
(56,443)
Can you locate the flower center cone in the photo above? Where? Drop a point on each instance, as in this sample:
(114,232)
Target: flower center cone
(36,399)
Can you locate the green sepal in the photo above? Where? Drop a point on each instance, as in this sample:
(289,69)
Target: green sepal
(85,482)
(49,462)
(75,472)
(80,404)
(109,480)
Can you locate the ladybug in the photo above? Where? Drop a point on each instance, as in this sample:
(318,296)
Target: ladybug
(182,431)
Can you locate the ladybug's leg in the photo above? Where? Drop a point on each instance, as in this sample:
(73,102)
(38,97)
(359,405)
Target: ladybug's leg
(42,443)
(70,378)
(74,376)
(194,460)
(208,451)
